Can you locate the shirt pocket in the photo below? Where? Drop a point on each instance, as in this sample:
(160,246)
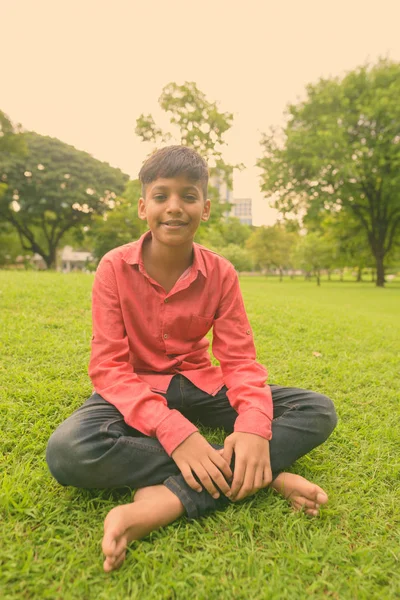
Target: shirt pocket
(199,326)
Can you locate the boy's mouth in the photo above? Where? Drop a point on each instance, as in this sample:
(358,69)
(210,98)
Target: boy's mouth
(174,224)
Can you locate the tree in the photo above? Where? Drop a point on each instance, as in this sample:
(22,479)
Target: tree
(199,123)
(314,253)
(11,142)
(222,233)
(53,189)
(272,247)
(340,151)
(10,139)
(349,244)
(239,257)
(10,247)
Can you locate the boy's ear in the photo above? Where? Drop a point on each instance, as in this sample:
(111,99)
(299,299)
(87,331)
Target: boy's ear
(206,210)
(142,209)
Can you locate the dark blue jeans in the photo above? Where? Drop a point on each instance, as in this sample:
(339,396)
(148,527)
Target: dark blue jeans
(95,448)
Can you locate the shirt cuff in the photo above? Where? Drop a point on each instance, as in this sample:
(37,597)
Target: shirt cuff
(174,430)
(254,421)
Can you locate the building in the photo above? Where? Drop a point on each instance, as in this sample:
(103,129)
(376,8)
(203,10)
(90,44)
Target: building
(74,261)
(241,209)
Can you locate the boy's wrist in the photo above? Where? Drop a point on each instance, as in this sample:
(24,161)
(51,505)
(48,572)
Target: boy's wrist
(174,430)
(253,421)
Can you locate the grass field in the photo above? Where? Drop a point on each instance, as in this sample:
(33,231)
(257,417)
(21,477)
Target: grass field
(50,535)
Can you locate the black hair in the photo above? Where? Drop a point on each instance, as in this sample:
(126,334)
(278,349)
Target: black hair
(174,161)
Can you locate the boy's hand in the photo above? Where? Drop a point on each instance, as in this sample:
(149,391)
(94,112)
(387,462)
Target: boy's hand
(195,454)
(252,463)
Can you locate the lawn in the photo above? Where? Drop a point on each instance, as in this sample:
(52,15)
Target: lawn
(50,535)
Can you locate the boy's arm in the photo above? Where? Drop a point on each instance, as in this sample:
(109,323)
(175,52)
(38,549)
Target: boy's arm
(113,376)
(233,347)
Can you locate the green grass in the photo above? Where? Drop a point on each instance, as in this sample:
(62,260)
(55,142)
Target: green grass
(50,535)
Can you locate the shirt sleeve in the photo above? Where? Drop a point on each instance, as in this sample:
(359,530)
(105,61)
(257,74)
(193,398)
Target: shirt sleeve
(245,378)
(112,373)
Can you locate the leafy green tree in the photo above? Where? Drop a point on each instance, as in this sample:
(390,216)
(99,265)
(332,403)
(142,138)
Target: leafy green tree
(198,121)
(10,247)
(222,233)
(349,244)
(10,139)
(340,150)
(239,257)
(11,142)
(53,189)
(271,247)
(314,253)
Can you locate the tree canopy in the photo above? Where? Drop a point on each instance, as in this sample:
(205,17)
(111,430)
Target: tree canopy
(53,188)
(272,247)
(10,140)
(199,122)
(340,151)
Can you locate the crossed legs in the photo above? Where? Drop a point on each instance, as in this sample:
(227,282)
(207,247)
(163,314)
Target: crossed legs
(94,448)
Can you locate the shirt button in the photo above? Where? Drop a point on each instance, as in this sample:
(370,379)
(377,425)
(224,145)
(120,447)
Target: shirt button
(165,336)
(248,332)
(166,300)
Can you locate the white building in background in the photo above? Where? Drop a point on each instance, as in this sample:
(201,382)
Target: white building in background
(241,208)
(73,261)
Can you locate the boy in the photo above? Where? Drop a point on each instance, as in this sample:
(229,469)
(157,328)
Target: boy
(154,300)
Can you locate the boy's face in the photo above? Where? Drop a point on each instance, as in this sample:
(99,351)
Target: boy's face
(174,208)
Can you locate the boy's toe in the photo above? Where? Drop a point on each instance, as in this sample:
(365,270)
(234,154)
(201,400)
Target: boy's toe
(321,497)
(109,544)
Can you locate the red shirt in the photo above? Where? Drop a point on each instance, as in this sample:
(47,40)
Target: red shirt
(143,336)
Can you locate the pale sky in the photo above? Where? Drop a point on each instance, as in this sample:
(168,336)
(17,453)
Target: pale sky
(83,71)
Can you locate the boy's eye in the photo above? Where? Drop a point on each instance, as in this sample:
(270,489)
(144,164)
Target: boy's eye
(191,198)
(159,197)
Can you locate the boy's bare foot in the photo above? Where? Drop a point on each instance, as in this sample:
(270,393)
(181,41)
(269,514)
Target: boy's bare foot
(300,492)
(154,507)
(157,506)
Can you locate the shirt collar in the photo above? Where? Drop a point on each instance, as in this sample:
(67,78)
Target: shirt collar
(133,254)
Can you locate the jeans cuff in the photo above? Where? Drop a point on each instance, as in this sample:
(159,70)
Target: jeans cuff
(196,504)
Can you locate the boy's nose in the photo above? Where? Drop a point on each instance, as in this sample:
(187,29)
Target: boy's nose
(174,205)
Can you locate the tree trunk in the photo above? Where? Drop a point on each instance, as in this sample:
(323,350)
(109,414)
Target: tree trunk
(359,274)
(50,259)
(341,275)
(280,274)
(317,272)
(329,274)
(380,272)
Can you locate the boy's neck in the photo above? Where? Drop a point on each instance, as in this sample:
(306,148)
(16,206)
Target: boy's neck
(169,258)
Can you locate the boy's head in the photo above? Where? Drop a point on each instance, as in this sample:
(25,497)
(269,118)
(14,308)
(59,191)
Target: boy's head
(174,188)
(172,162)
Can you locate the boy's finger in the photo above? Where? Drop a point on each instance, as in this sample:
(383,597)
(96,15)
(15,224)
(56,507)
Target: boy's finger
(190,480)
(228,451)
(267,476)
(218,478)
(259,479)
(206,481)
(238,477)
(223,466)
(247,487)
